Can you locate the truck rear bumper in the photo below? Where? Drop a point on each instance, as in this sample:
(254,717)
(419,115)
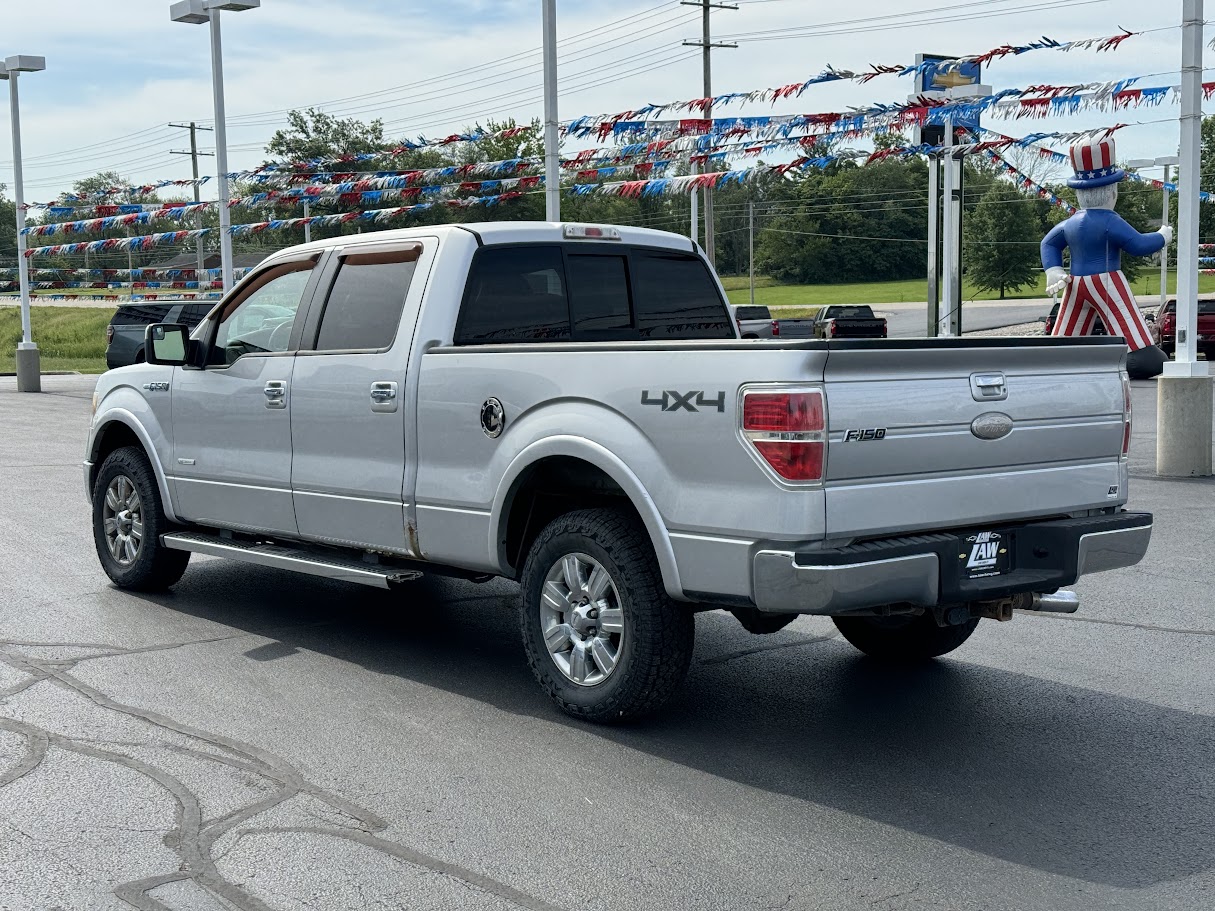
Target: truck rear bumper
(929,569)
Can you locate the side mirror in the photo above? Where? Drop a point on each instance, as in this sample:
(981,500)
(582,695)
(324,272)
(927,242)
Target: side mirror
(1150,317)
(167,344)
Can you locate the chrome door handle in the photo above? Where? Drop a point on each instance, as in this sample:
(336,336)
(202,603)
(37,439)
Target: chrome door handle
(276,394)
(384,397)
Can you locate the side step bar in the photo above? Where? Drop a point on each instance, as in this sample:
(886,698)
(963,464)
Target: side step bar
(296,559)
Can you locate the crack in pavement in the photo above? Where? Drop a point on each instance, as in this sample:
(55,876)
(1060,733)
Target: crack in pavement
(1150,627)
(743,653)
(192,837)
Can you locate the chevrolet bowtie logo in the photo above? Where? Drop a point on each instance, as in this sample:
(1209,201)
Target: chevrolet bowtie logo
(951,79)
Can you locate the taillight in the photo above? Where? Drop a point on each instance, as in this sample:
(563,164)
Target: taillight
(775,328)
(1126,417)
(109,334)
(833,329)
(788,431)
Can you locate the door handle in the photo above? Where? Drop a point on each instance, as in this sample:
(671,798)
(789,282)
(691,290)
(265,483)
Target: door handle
(384,397)
(276,394)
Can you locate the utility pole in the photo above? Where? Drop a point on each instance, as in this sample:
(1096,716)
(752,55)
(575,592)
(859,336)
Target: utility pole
(194,153)
(751,245)
(706,45)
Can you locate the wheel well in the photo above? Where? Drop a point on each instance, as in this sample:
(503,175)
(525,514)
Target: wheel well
(115,435)
(546,490)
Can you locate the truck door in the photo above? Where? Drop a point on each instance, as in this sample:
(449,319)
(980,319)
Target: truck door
(232,418)
(352,418)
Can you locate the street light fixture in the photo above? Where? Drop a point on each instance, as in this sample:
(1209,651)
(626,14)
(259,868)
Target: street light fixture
(29,367)
(1165,161)
(196,12)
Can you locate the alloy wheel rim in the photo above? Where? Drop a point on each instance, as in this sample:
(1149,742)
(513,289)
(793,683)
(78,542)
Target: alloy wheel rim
(122,519)
(582,620)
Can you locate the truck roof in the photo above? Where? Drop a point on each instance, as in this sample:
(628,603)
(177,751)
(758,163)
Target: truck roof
(500,232)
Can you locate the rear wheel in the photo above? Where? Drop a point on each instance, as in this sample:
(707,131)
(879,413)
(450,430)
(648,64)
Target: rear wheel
(128,520)
(907,637)
(603,638)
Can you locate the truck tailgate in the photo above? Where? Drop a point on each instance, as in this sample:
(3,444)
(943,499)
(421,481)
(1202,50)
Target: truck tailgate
(951,433)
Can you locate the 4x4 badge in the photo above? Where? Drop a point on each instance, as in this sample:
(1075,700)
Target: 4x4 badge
(670,400)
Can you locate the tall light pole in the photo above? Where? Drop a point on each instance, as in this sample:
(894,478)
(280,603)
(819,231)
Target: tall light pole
(1166,161)
(196,12)
(552,168)
(1183,393)
(29,367)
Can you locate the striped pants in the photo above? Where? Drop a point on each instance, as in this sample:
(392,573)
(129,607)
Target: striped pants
(1109,296)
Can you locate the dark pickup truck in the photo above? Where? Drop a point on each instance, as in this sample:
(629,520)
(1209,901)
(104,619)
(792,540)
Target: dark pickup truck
(124,336)
(756,321)
(849,321)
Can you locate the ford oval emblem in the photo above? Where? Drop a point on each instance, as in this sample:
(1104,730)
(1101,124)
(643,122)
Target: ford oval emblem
(991,426)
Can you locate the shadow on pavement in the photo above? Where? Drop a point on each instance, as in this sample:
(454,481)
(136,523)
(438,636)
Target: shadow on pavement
(1058,778)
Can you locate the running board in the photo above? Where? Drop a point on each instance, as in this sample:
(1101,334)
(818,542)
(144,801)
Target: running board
(295,559)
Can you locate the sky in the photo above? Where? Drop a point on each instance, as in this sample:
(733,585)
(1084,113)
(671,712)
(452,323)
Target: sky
(118,71)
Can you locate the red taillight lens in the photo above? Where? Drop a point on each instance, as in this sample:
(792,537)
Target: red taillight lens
(783,412)
(1126,421)
(775,328)
(833,329)
(787,429)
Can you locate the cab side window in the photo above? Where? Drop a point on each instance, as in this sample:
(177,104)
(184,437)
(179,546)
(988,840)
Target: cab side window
(515,294)
(259,319)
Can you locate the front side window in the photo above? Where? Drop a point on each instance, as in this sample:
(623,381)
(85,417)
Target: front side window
(366,300)
(259,320)
(676,298)
(515,294)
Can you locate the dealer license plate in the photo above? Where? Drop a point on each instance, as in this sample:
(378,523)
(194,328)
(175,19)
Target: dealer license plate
(985,553)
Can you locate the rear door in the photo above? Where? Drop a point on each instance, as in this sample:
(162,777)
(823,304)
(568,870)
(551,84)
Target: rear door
(350,407)
(950,433)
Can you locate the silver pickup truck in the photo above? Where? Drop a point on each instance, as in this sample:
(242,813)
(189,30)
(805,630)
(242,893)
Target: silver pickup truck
(569,406)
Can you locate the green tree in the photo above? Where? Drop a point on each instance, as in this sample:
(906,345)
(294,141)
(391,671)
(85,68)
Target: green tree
(1000,240)
(8,229)
(314,134)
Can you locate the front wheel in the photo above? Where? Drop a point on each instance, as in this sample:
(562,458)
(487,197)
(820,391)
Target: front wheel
(602,636)
(128,520)
(906,637)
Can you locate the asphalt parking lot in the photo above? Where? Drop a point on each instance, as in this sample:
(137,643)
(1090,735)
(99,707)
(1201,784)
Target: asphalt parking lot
(257,739)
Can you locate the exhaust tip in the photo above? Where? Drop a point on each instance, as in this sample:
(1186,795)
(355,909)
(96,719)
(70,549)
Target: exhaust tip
(1059,603)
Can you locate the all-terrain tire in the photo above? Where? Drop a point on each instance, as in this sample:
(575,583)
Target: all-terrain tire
(126,504)
(654,648)
(904,638)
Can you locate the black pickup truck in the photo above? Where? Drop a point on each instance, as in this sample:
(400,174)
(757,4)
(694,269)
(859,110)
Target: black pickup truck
(849,321)
(124,335)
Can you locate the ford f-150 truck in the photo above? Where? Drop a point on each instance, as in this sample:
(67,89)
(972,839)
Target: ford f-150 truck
(570,406)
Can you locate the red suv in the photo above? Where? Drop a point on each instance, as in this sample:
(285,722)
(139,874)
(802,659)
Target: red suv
(1166,321)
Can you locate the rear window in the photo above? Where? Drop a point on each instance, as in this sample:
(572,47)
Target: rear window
(752,313)
(515,294)
(1206,308)
(365,302)
(676,297)
(139,315)
(864,312)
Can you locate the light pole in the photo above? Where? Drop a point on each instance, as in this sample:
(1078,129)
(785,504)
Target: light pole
(1166,161)
(196,12)
(29,367)
(552,167)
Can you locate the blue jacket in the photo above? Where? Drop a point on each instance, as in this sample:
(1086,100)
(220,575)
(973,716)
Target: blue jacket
(1096,238)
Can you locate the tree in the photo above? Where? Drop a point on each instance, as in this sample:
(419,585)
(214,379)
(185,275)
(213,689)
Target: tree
(8,229)
(315,134)
(1000,240)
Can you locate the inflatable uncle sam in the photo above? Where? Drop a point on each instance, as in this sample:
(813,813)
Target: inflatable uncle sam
(1096,237)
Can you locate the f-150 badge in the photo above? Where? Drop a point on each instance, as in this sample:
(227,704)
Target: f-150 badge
(670,400)
(864,435)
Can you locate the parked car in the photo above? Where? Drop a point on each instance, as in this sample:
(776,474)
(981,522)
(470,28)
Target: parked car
(849,321)
(754,321)
(570,406)
(1166,321)
(1098,325)
(124,336)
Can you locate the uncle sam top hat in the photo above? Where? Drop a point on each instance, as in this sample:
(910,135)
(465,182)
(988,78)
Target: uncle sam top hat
(1093,162)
